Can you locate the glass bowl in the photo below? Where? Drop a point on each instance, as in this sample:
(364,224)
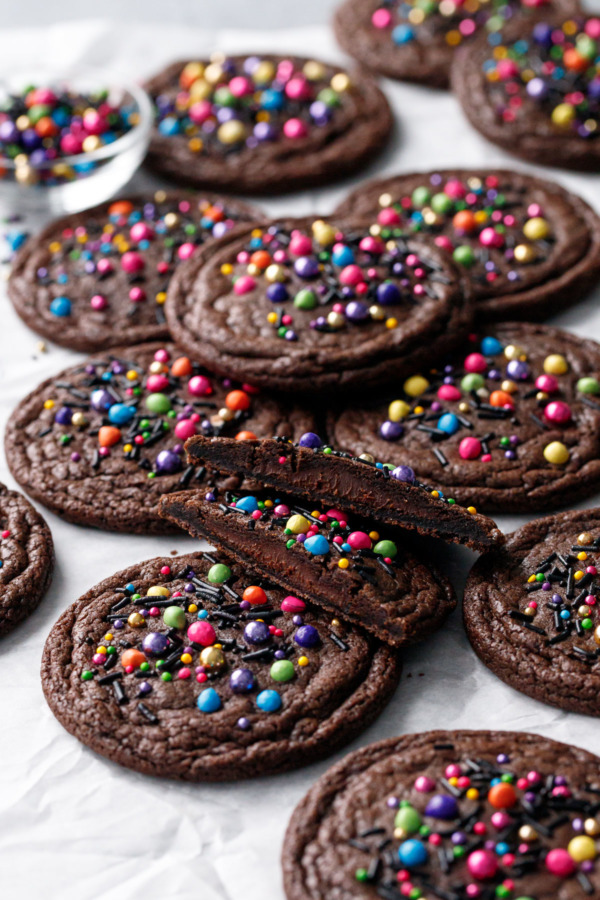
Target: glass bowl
(73,182)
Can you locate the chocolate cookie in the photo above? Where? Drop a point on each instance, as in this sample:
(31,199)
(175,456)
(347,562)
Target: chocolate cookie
(99,278)
(537,92)
(451,815)
(308,306)
(196,668)
(358,484)
(528,247)
(347,565)
(26,559)
(101,442)
(264,124)
(416,41)
(511,423)
(531,610)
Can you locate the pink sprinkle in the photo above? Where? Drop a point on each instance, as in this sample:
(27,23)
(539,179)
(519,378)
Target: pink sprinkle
(381,18)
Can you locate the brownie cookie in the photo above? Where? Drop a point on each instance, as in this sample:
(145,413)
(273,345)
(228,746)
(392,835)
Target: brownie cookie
(511,423)
(529,247)
(357,484)
(101,442)
(451,815)
(196,668)
(325,556)
(308,306)
(99,278)
(264,125)
(26,558)
(537,93)
(531,610)
(416,41)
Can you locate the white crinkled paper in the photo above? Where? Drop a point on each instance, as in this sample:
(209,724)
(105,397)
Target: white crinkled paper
(76,827)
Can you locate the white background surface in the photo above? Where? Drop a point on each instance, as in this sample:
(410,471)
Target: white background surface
(76,827)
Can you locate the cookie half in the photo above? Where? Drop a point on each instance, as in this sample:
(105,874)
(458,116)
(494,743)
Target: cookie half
(348,566)
(306,306)
(531,610)
(98,278)
(415,41)
(528,246)
(101,442)
(264,124)
(196,668)
(26,558)
(508,424)
(450,815)
(537,92)
(358,484)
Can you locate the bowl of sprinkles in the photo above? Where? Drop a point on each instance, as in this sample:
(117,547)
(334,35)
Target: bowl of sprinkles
(68,142)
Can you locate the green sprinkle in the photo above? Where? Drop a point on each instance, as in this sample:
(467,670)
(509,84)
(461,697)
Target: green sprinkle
(87,675)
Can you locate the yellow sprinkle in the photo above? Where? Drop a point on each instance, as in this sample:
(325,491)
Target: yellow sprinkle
(272,318)
(54,247)
(268,504)
(127,448)
(343,563)
(195,144)
(226,269)
(570,27)
(108,637)
(48,404)
(435,493)
(578,576)
(219,646)
(531,579)
(374,535)
(192,608)
(335,622)
(472,794)
(315,513)
(453,781)
(453,38)
(161,297)
(582,555)
(391,323)
(256,233)
(418,409)
(186,657)
(472,510)
(101,650)
(82,238)
(131,375)
(303,661)
(481,216)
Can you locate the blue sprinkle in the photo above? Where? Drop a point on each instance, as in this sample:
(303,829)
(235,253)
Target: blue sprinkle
(448,423)
(208,701)
(402,34)
(412,853)
(203,614)
(565,614)
(61,307)
(121,414)
(491,346)
(169,126)
(250,504)
(130,588)
(268,701)
(317,545)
